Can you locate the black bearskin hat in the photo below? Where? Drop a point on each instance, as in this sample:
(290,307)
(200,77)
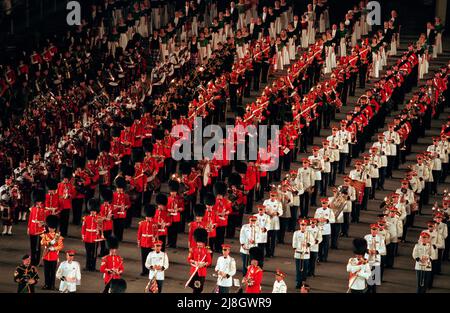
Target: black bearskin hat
(115,131)
(174,185)
(209,199)
(39,195)
(185,168)
(113,242)
(199,210)
(137,155)
(220,188)
(93,205)
(107,194)
(256,254)
(359,246)
(235,179)
(158,134)
(91,154)
(201,235)
(147,145)
(127,121)
(120,182)
(52,221)
(161,199)
(78,162)
(150,210)
(66,172)
(127,170)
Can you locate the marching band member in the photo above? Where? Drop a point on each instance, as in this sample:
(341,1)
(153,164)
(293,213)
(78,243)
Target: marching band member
(90,233)
(199,213)
(248,239)
(394,226)
(106,214)
(69,273)
(263,225)
(254,274)
(199,258)
(328,157)
(52,243)
(162,218)
(274,209)
(121,203)
(337,225)
(175,205)
(316,234)
(335,147)
(26,275)
(393,140)
(325,217)
(302,241)
(112,264)
(375,247)
(305,181)
(318,165)
(383,150)
(424,253)
(66,192)
(350,191)
(146,235)
(345,138)
(36,225)
(157,262)
(358,268)
(225,269)
(279,286)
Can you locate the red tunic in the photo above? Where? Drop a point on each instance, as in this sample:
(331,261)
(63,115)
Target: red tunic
(146,233)
(66,192)
(111,262)
(254,277)
(51,251)
(36,220)
(121,203)
(106,211)
(199,254)
(89,229)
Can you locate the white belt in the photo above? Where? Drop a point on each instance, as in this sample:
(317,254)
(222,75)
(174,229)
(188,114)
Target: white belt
(146,235)
(92,230)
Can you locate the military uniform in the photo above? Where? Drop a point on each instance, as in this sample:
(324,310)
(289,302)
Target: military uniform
(26,276)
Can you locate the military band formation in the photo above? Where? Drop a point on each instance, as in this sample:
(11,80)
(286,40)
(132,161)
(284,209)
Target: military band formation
(87,136)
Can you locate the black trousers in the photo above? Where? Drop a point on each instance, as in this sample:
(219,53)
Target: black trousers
(91,255)
(172,235)
(35,249)
(263,246)
(284,223)
(312,263)
(50,273)
(323,248)
(346,225)
(422,280)
(220,238)
(390,254)
(342,162)
(144,254)
(103,250)
(271,242)
(304,204)
(64,222)
(335,231)
(119,225)
(77,206)
(197,283)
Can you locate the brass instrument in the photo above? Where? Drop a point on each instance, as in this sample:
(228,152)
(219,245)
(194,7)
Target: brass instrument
(373,247)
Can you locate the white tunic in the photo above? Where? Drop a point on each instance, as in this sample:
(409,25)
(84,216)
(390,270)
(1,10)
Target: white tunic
(328,214)
(375,243)
(279,287)
(301,242)
(316,234)
(72,276)
(228,266)
(157,258)
(274,209)
(248,233)
(359,274)
(263,222)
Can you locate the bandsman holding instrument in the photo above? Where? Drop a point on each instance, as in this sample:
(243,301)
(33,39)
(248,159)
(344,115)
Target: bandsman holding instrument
(302,241)
(199,213)
(376,246)
(199,258)
(121,203)
(157,263)
(36,225)
(254,274)
(91,233)
(162,218)
(318,165)
(248,239)
(305,182)
(358,268)
(225,270)
(335,146)
(327,155)
(26,275)
(325,217)
(69,273)
(338,203)
(146,235)
(394,226)
(112,264)
(52,243)
(349,191)
(316,234)
(263,225)
(274,209)
(106,214)
(175,205)
(66,192)
(424,252)
(383,149)
(51,198)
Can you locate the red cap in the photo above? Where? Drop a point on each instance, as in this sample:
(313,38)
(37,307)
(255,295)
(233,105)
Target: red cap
(315,148)
(252,217)
(303,221)
(280,273)
(424,234)
(324,200)
(158,243)
(226,246)
(70,252)
(374,226)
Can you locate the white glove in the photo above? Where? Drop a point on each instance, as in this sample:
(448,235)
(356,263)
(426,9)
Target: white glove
(51,249)
(53,242)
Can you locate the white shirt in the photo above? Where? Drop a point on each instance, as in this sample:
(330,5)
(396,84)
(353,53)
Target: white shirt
(279,287)
(157,258)
(316,234)
(228,266)
(301,242)
(72,276)
(375,243)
